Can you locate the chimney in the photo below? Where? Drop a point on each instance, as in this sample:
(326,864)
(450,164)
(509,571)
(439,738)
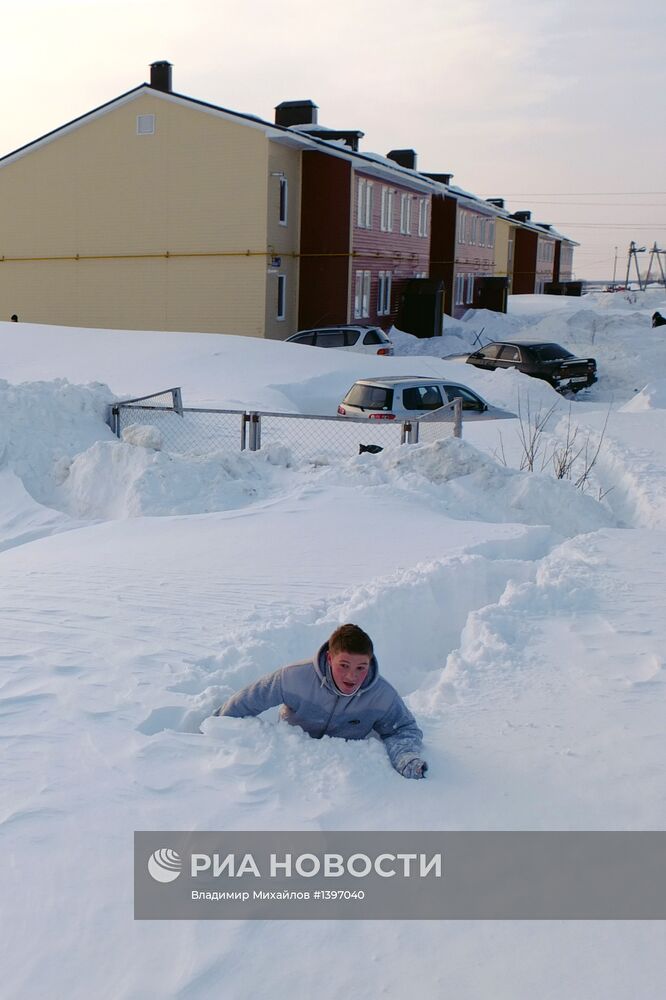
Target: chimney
(440,178)
(403,157)
(522,216)
(160,76)
(296,113)
(497,202)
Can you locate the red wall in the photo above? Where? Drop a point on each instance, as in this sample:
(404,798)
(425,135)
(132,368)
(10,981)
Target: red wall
(374,250)
(324,273)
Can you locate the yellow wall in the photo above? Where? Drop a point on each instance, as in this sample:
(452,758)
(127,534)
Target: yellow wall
(196,189)
(283,240)
(504,232)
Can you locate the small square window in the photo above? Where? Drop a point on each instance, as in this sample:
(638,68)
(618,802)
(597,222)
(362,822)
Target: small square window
(145,124)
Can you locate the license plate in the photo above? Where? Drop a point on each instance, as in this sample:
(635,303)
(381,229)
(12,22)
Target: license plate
(575,378)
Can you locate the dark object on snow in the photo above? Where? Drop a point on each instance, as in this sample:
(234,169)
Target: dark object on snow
(14,318)
(374,449)
(546,361)
(658,319)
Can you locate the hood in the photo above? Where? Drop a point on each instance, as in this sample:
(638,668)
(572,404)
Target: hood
(323,669)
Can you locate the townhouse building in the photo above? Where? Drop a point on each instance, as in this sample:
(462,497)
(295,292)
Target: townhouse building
(160,211)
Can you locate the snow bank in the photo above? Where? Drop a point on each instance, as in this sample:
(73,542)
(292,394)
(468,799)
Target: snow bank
(44,425)
(468,484)
(119,479)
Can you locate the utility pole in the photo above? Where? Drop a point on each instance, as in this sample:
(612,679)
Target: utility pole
(614,268)
(656,252)
(633,255)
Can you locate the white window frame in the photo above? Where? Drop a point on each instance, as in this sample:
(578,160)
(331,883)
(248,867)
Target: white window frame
(491,233)
(283,209)
(387,210)
(462,222)
(423,217)
(406,214)
(469,294)
(460,290)
(281,308)
(362,294)
(384,293)
(364,203)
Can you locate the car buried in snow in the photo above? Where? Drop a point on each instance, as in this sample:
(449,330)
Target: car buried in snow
(361,339)
(400,397)
(540,359)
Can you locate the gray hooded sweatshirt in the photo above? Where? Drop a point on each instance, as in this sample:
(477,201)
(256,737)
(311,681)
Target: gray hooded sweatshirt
(309,699)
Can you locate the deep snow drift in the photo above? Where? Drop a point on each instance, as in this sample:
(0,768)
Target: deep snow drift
(520,617)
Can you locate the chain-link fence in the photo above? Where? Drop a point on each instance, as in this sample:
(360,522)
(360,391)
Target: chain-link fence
(198,431)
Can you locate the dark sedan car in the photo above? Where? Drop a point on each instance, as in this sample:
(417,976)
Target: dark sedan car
(540,359)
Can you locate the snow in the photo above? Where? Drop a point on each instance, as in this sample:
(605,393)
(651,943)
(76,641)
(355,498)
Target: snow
(520,617)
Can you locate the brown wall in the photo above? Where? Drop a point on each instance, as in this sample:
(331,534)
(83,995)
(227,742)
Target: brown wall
(443,245)
(524,262)
(325,240)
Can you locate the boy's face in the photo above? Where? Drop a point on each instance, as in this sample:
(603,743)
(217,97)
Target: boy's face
(349,670)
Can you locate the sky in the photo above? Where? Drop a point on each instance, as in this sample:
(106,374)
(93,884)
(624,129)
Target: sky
(556,106)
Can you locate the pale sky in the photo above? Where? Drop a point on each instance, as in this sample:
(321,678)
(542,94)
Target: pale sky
(557,105)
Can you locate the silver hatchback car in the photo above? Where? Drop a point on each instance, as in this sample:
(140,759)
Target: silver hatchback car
(400,397)
(362,339)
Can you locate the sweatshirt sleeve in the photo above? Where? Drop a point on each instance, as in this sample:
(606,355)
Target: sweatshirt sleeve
(401,736)
(255,698)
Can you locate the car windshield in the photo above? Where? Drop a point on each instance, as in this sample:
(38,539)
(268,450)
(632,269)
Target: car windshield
(369,397)
(550,352)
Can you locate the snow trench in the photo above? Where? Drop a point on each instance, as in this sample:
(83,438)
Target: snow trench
(420,613)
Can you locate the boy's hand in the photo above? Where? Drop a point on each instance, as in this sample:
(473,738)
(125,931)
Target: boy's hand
(414,768)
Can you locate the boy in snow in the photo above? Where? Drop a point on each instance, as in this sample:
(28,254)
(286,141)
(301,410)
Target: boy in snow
(339,693)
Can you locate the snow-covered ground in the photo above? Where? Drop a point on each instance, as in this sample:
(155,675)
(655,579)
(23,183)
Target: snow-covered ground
(520,617)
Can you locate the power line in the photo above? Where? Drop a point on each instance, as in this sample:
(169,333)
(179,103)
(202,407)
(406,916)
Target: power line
(579,194)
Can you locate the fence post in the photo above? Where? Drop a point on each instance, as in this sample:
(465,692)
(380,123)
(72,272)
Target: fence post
(113,420)
(255,431)
(244,422)
(177,401)
(457,417)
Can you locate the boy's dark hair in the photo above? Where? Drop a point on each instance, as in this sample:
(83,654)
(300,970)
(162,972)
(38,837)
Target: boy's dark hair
(350,639)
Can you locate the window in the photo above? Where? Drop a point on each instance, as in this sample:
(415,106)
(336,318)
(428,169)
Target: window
(364,204)
(284,197)
(362,294)
(387,210)
(405,214)
(373,337)
(491,233)
(330,338)
(145,124)
(422,397)
(462,225)
(384,293)
(423,217)
(470,288)
(472,229)
(510,353)
(281,295)
(470,400)
(460,290)
(370,397)
(491,351)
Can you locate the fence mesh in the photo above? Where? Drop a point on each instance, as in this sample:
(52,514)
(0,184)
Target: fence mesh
(433,430)
(322,438)
(196,432)
(187,430)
